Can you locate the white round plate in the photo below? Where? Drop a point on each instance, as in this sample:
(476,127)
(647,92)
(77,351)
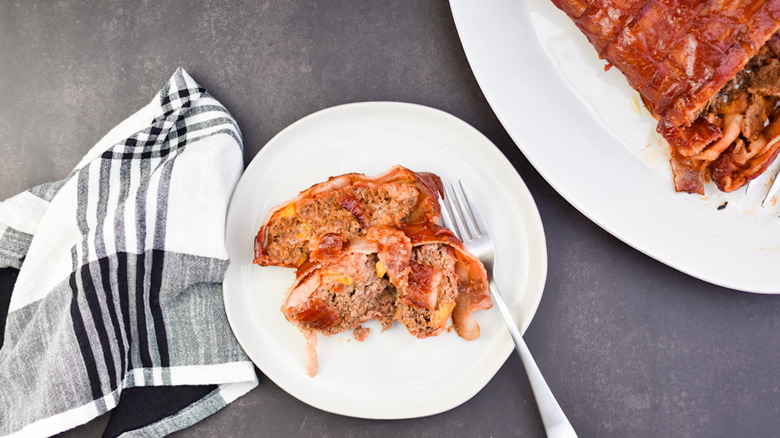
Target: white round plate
(586,131)
(391,374)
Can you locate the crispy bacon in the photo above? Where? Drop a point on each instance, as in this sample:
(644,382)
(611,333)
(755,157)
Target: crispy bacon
(423,284)
(686,179)
(317,314)
(351,203)
(394,249)
(692,62)
(689,141)
(330,246)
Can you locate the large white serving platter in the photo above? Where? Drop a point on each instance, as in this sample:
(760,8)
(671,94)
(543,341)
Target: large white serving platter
(391,374)
(586,131)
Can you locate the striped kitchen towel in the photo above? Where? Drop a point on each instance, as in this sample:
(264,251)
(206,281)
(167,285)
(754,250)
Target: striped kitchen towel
(120,269)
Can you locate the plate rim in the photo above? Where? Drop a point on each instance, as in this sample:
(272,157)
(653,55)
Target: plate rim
(466,18)
(532,217)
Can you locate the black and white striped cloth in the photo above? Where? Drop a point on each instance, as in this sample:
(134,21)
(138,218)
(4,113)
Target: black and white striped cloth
(120,269)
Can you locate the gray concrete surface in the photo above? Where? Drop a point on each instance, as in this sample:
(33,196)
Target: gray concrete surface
(631,347)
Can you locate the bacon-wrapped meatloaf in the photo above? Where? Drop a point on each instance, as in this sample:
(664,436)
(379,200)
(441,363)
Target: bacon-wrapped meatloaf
(707,70)
(370,248)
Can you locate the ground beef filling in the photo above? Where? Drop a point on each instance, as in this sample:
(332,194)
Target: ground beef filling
(738,131)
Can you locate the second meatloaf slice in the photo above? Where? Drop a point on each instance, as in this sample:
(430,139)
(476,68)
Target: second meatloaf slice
(419,275)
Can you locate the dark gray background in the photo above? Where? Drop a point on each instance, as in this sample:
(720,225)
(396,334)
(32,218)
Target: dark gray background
(631,347)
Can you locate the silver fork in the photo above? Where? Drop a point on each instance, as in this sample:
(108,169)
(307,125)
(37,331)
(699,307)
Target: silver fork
(466,222)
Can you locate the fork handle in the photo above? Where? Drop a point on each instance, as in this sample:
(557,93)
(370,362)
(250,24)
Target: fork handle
(556,425)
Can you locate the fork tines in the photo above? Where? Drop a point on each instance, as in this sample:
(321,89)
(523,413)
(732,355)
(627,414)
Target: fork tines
(458,214)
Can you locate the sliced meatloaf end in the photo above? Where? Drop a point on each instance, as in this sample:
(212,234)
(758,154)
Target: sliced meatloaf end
(472,283)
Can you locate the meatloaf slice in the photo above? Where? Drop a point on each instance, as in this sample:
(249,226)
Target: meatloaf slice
(343,293)
(347,205)
(418,274)
(340,295)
